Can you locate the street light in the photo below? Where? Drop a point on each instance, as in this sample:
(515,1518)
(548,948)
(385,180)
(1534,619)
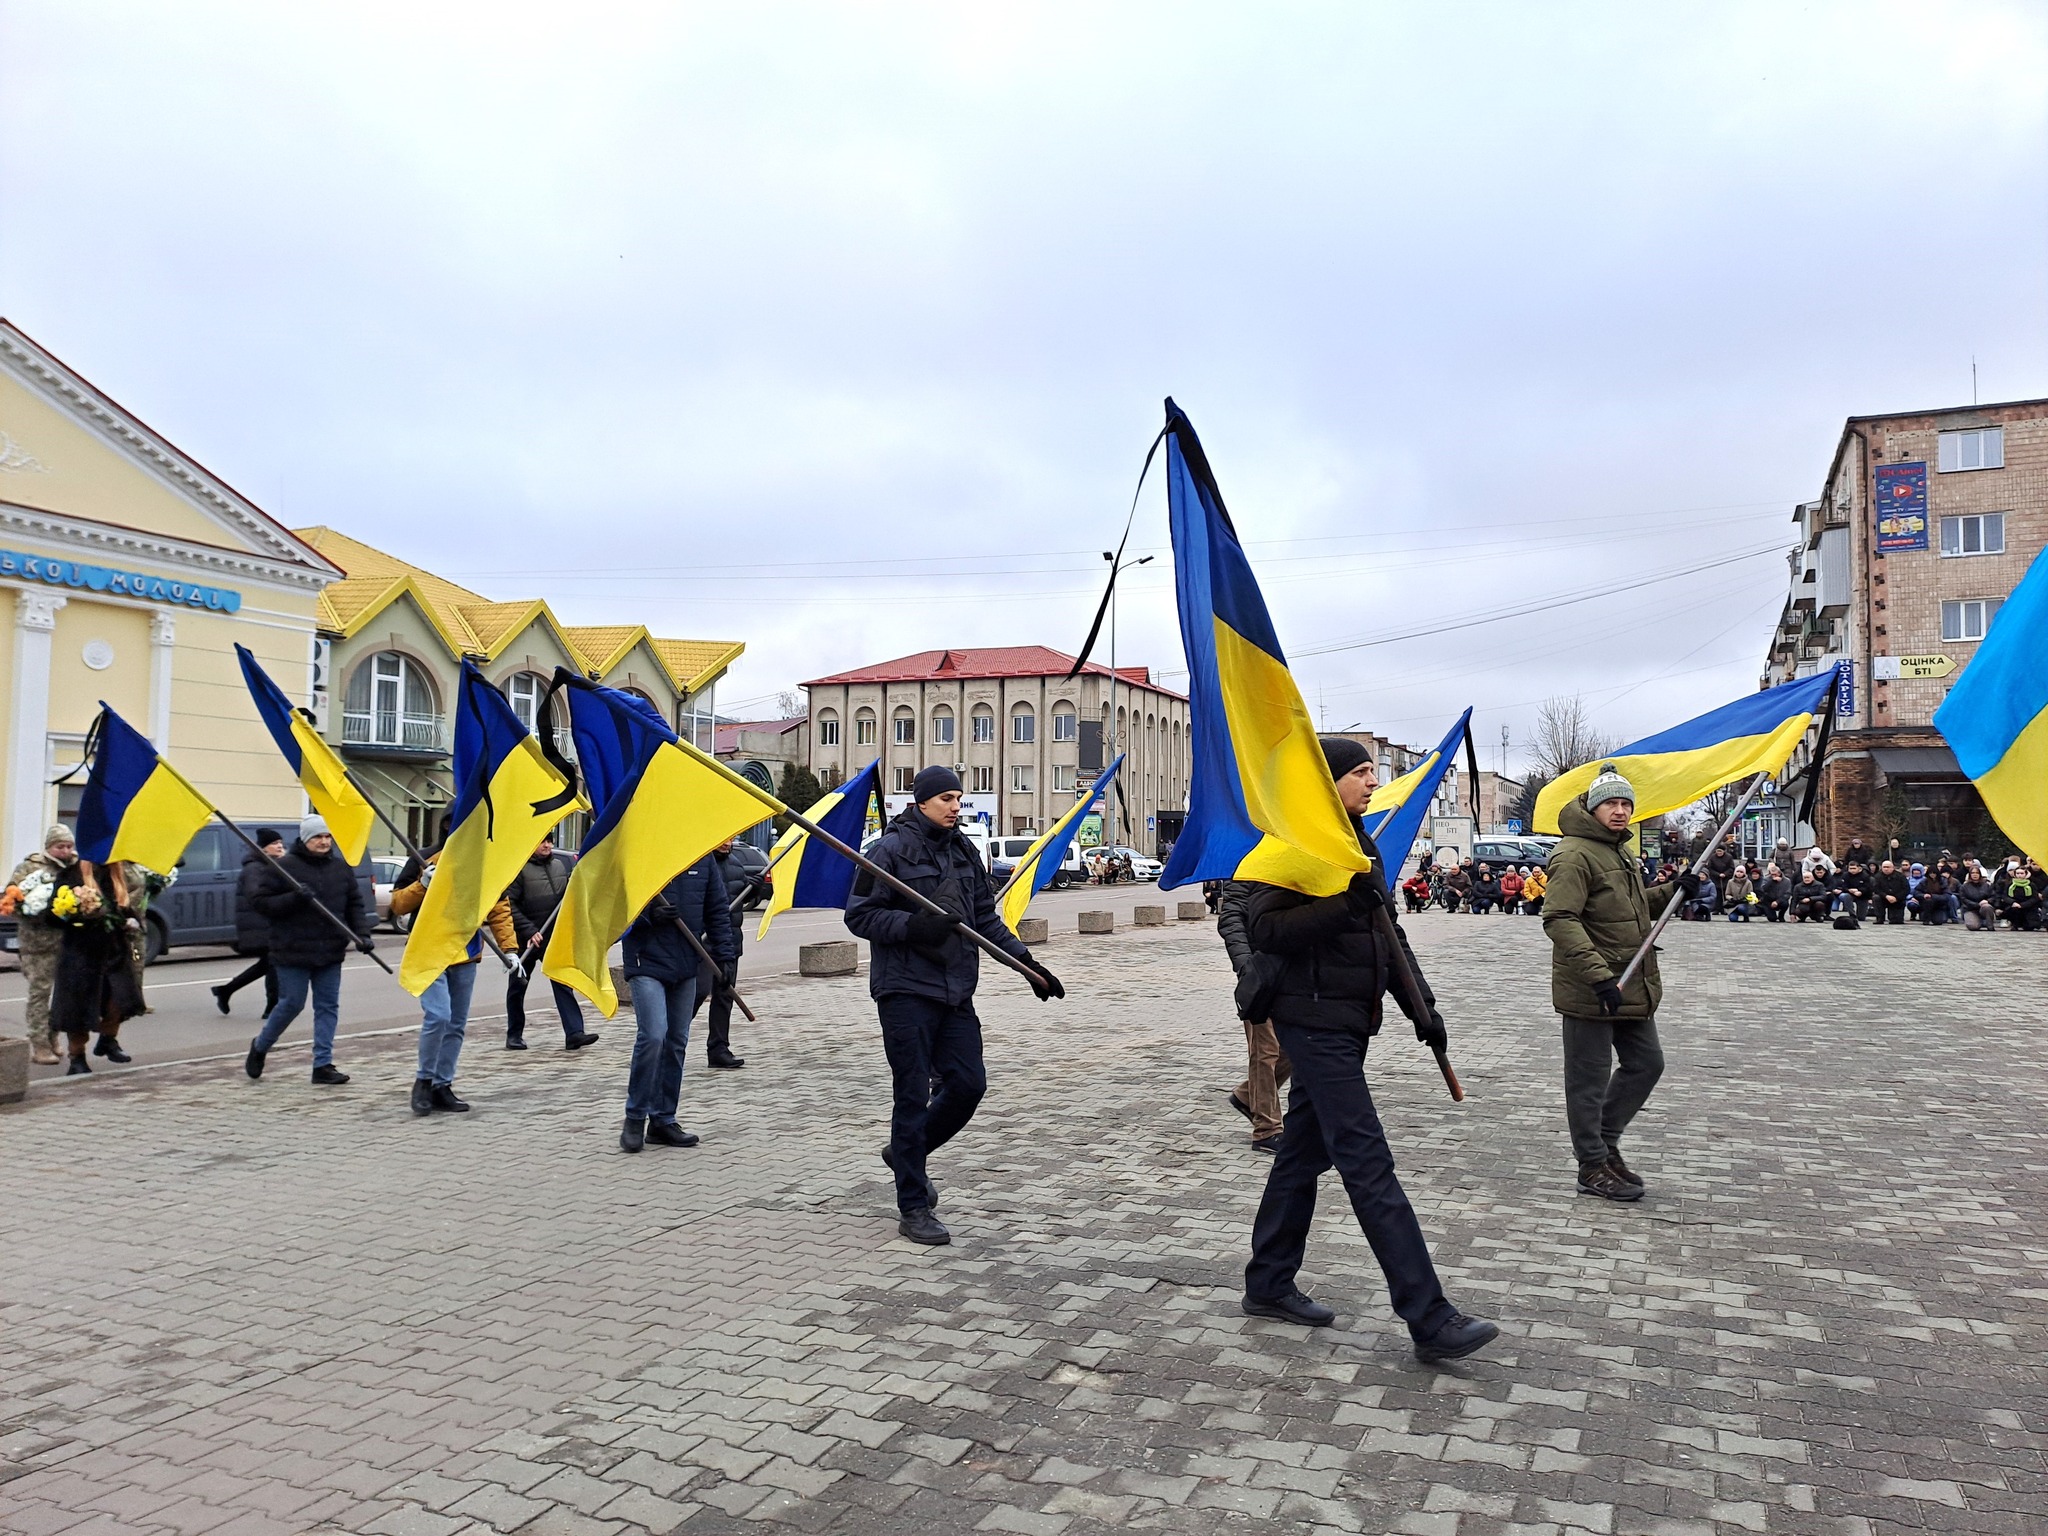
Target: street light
(1109,794)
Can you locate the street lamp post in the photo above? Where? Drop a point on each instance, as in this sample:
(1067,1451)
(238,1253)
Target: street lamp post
(1109,794)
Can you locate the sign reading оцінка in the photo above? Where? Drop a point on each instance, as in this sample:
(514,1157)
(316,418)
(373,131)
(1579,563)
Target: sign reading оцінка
(1886,668)
(99,578)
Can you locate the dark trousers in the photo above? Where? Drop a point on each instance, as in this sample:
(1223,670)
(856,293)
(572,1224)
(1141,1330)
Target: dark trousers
(259,967)
(718,1027)
(924,1039)
(1599,1101)
(1331,1123)
(567,1004)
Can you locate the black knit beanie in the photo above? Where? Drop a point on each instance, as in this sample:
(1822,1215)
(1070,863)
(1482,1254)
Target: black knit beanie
(934,780)
(1342,754)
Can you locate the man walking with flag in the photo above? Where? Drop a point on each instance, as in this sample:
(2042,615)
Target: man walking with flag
(663,969)
(922,975)
(307,945)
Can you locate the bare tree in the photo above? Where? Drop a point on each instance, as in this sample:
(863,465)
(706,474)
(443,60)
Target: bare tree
(1565,737)
(790,703)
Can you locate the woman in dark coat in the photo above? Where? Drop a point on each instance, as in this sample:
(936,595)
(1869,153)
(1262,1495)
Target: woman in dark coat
(95,987)
(252,928)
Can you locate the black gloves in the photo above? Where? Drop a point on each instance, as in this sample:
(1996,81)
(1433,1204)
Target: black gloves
(1432,1032)
(1043,982)
(1689,883)
(1609,994)
(928,930)
(366,944)
(1363,896)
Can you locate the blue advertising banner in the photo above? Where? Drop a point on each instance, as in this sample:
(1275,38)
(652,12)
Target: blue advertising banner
(1901,502)
(1845,688)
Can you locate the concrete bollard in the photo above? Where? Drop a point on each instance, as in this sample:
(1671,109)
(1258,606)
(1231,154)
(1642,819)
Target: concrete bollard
(1034,930)
(1098,922)
(14,1060)
(1148,917)
(1192,911)
(834,957)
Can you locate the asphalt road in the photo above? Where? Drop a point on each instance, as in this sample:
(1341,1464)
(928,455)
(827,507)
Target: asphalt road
(185,1024)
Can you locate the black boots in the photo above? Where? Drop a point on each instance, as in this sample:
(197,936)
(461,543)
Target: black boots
(515,1042)
(666,1133)
(921,1226)
(77,1067)
(220,998)
(110,1048)
(1457,1338)
(931,1190)
(725,1060)
(633,1135)
(444,1099)
(253,1064)
(330,1075)
(422,1096)
(1294,1307)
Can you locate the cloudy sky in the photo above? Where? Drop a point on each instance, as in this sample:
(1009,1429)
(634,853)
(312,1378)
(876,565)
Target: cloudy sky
(842,329)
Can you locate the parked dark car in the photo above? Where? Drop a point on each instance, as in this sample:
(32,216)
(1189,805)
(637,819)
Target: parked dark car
(755,862)
(1503,851)
(199,907)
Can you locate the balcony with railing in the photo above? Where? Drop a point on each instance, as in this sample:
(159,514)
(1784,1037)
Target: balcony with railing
(394,733)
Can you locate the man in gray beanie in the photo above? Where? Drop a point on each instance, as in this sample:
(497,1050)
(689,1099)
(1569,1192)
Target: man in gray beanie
(38,933)
(1597,914)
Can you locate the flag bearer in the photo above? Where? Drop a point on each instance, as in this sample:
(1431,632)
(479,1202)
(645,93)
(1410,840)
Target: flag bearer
(1325,1013)
(922,973)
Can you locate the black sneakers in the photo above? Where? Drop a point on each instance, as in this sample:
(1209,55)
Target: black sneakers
(253,1063)
(1457,1338)
(1601,1179)
(666,1133)
(1628,1175)
(725,1061)
(78,1068)
(1294,1307)
(931,1190)
(422,1096)
(921,1226)
(633,1134)
(330,1075)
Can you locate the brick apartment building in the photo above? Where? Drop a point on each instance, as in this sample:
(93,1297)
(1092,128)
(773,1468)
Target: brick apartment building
(1024,737)
(1926,522)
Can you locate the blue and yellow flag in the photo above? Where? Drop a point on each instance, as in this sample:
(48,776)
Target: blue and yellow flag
(135,806)
(1043,858)
(501,781)
(1995,718)
(320,772)
(1394,814)
(660,805)
(808,876)
(1755,734)
(1261,803)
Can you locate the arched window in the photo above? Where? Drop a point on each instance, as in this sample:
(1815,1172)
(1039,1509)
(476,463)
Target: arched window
(1023,725)
(828,727)
(942,726)
(1066,725)
(864,727)
(984,723)
(391,703)
(903,727)
(525,690)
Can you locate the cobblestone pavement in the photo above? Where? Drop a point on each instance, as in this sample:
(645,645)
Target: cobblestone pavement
(260,1307)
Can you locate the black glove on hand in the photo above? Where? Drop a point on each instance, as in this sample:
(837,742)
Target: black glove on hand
(1432,1032)
(366,944)
(1689,883)
(928,929)
(1609,995)
(1362,896)
(1043,982)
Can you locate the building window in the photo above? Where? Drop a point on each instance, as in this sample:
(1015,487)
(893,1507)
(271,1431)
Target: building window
(984,724)
(828,730)
(905,778)
(903,730)
(1979,533)
(942,728)
(1063,776)
(1981,449)
(1968,619)
(1020,779)
(1023,726)
(1066,725)
(864,729)
(984,781)
(391,704)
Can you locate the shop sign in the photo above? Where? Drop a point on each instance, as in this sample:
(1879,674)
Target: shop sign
(100,578)
(1935,665)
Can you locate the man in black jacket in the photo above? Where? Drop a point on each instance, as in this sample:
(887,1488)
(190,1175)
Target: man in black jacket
(739,885)
(252,931)
(1325,1012)
(307,946)
(661,968)
(922,974)
(534,894)
(1888,899)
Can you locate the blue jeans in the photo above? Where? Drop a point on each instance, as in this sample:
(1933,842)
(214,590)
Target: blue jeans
(293,982)
(444,1009)
(661,1012)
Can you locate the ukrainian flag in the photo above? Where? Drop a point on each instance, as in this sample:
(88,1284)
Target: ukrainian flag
(1043,858)
(1261,804)
(660,804)
(1394,814)
(493,828)
(821,876)
(1755,734)
(1996,716)
(135,806)
(320,773)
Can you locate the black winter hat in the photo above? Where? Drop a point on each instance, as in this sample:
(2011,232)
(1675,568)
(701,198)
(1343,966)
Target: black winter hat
(1342,754)
(934,780)
(265,836)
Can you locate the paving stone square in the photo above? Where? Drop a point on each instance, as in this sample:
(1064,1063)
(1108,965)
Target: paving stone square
(265,1308)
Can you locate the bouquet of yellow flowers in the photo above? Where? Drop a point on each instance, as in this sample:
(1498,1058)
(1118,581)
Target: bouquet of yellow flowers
(76,904)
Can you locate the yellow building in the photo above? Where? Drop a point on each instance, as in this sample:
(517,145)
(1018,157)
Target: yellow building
(131,571)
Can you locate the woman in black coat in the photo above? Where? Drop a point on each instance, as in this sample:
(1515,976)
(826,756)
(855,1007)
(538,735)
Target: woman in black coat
(252,928)
(95,987)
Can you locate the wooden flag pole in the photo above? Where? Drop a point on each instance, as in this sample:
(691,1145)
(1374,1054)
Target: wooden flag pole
(1671,908)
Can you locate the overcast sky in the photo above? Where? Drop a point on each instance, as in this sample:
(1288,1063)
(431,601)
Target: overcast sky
(842,330)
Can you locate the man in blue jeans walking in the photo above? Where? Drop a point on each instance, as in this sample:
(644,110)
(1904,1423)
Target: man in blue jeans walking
(306,945)
(444,1006)
(922,973)
(661,969)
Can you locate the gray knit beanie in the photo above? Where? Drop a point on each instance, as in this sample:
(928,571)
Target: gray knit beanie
(1608,784)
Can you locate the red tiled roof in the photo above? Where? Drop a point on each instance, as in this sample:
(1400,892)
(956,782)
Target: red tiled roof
(986,661)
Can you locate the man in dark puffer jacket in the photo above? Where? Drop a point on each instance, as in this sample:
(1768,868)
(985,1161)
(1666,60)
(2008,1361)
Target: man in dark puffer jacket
(1326,1011)
(661,968)
(307,946)
(922,973)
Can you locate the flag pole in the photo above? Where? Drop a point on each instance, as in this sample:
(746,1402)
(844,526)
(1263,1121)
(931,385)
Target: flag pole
(419,858)
(704,955)
(1404,977)
(355,939)
(1671,908)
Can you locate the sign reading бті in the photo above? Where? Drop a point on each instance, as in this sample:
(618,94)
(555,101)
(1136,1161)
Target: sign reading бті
(1889,667)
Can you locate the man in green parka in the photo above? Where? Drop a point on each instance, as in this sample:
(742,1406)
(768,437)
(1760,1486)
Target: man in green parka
(1597,914)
